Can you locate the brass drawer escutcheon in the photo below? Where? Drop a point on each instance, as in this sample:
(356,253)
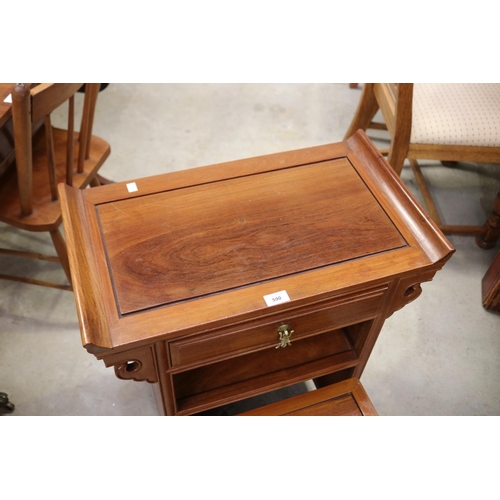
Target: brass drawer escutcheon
(285,333)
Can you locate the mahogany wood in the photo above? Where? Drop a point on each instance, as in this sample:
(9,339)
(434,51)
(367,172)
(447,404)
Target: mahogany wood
(260,363)
(6,147)
(424,189)
(7,152)
(343,399)
(260,334)
(91,91)
(170,278)
(45,156)
(491,286)
(62,253)
(395,102)
(5,107)
(264,382)
(71,143)
(491,228)
(51,161)
(143,240)
(22,139)
(48,96)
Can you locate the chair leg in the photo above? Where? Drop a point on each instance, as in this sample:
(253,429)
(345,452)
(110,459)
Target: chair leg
(400,145)
(492,227)
(367,109)
(62,253)
(426,194)
(95,181)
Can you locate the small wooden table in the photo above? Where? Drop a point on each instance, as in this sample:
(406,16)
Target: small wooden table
(343,399)
(220,283)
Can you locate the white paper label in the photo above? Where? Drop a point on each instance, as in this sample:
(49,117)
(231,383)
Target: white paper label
(132,186)
(276,298)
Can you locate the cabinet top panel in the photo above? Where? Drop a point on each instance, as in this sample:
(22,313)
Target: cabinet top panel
(194,241)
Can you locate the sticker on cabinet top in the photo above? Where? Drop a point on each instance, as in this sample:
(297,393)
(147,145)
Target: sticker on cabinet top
(132,187)
(276,298)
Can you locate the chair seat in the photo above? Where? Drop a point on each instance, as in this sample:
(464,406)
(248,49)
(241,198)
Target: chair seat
(46,214)
(456,114)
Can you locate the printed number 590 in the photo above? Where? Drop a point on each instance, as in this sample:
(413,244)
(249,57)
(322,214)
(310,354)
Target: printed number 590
(276,298)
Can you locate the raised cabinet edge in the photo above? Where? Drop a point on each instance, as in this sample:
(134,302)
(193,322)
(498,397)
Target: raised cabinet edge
(94,328)
(209,174)
(426,233)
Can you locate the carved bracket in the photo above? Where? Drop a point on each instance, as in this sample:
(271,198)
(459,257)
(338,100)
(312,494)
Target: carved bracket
(408,290)
(137,364)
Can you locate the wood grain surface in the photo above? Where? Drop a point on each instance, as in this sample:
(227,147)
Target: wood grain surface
(346,399)
(170,278)
(190,242)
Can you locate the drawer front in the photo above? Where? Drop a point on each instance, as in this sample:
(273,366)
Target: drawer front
(261,334)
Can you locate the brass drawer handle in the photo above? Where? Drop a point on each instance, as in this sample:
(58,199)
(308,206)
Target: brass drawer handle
(285,333)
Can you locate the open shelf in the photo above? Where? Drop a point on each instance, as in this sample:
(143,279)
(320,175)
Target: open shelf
(259,372)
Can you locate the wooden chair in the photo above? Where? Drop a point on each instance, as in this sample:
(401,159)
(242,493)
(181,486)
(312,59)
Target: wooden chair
(44,157)
(446,122)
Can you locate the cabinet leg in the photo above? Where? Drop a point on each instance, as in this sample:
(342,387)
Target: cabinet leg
(164,392)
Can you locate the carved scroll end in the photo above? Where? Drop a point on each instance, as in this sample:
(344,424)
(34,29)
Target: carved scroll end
(133,369)
(138,365)
(411,293)
(408,291)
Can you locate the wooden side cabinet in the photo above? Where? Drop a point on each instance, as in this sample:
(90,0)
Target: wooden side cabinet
(225,282)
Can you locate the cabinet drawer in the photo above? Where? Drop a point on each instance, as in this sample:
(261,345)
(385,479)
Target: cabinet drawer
(263,333)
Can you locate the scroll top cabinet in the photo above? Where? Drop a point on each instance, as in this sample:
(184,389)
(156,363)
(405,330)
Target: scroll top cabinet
(174,282)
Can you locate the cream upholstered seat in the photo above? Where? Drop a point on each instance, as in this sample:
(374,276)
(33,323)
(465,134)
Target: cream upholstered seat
(438,121)
(456,113)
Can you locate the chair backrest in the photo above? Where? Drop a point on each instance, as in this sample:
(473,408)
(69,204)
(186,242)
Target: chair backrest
(34,104)
(395,101)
